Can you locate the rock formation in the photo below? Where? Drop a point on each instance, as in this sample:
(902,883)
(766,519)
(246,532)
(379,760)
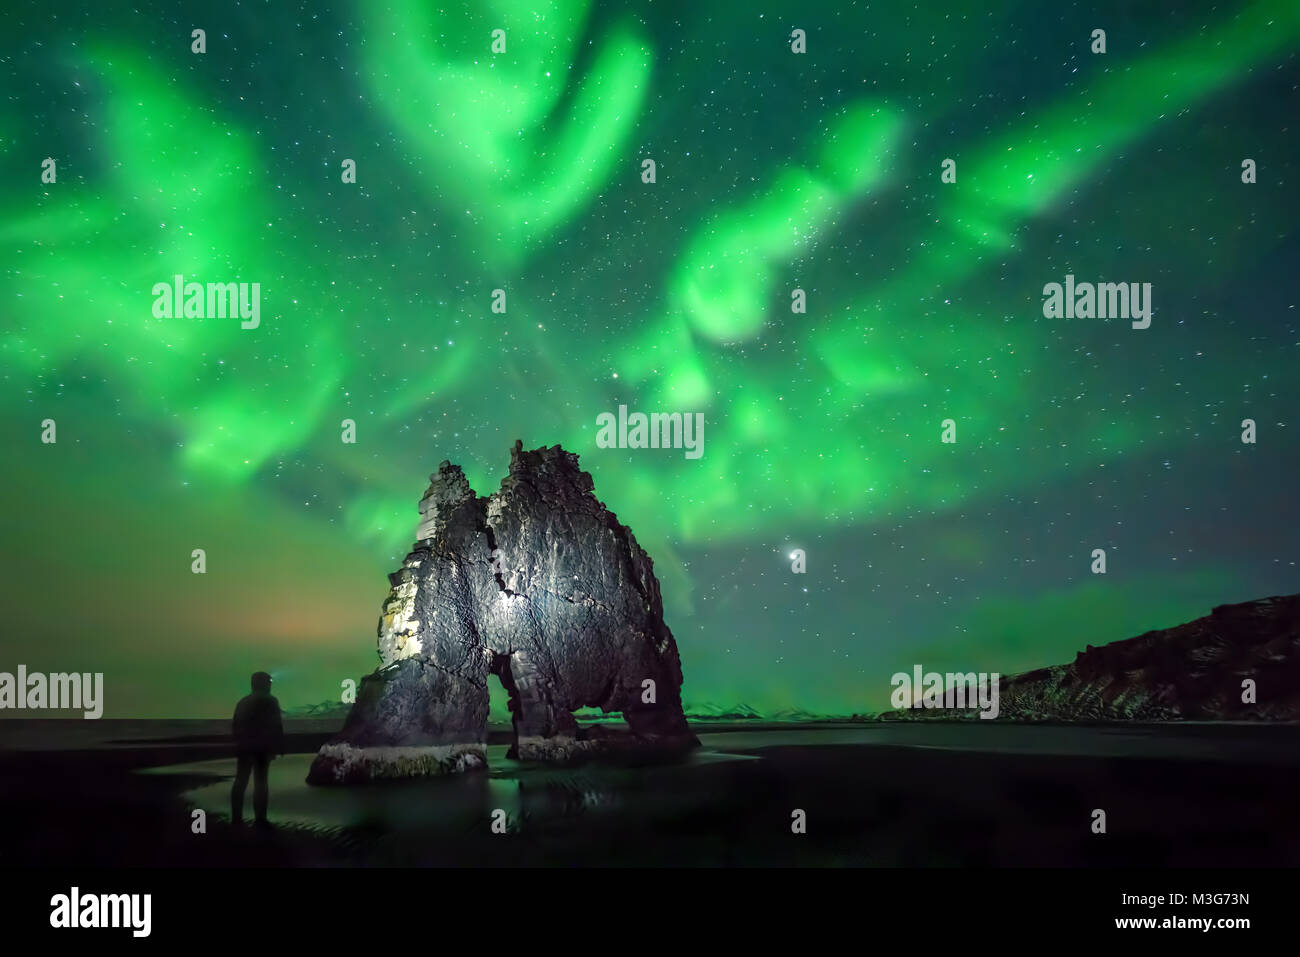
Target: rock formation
(537,584)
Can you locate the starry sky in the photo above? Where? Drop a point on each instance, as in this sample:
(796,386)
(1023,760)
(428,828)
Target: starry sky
(522,170)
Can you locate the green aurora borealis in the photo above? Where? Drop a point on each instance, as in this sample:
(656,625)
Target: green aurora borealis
(522,171)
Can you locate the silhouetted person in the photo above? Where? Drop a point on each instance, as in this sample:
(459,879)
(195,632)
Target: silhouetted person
(259,736)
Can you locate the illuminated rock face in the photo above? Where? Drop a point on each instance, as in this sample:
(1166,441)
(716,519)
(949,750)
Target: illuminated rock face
(537,584)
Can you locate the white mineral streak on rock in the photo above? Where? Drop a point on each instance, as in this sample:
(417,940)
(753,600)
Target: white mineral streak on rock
(398,626)
(428,519)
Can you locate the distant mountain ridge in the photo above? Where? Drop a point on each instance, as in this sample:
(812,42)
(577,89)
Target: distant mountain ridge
(708,711)
(1191,672)
(1195,671)
(326,709)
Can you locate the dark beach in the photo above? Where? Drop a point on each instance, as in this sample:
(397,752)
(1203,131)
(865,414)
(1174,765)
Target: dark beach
(945,794)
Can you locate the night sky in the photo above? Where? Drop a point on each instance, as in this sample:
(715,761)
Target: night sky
(522,171)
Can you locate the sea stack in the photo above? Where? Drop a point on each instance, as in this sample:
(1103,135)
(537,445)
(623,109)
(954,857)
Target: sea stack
(537,584)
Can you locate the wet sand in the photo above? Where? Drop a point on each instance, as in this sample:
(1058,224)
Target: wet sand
(878,794)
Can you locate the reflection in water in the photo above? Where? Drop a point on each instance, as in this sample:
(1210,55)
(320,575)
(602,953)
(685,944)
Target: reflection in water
(896,794)
(531,794)
(458,802)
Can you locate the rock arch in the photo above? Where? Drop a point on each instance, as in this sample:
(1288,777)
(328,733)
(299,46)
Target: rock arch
(537,584)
